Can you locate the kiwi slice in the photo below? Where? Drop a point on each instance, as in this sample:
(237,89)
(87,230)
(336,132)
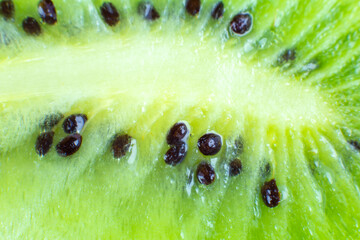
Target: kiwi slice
(168,119)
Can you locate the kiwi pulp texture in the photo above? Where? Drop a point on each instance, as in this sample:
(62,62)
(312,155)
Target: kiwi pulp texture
(280,75)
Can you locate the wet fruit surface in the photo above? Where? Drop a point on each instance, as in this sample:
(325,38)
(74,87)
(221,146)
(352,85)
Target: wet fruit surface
(69,145)
(121,145)
(209,144)
(44,143)
(270,193)
(205,173)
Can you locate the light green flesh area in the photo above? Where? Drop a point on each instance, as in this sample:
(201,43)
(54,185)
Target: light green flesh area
(140,78)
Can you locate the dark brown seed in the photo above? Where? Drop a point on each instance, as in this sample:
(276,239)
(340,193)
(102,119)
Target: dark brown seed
(205,173)
(31,26)
(176,154)
(50,121)
(177,133)
(288,55)
(209,144)
(74,123)
(270,194)
(69,145)
(121,145)
(7,8)
(110,14)
(241,23)
(44,143)
(148,11)
(47,11)
(193,7)
(235,167)
(355,144)
(218,10)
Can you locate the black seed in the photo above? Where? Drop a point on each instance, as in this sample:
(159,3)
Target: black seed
(121,145)
(177,133)
(209,144)
(218,10)
(31,26)
(270,194)
(193,7)
(109,13)
(266,170)
(286,56)
(47,11)
(176,154)
(69,145)
(50,121)
(205,173)
(7,8)
(44,143)
(235,167)
(148,11)
(241,23)
(74,123)
(355,144)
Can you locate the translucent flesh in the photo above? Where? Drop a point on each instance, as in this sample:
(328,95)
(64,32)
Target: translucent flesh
(140,78)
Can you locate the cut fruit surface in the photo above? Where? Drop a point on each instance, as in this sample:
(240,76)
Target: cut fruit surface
(269,144)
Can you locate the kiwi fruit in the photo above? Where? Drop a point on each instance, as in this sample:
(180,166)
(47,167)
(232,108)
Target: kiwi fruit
(179,119)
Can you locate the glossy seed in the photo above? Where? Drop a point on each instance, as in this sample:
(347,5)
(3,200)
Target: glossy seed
(47,12)
(286,56)
(218,10)
(51,121)
(74,123)
(355,144)
(193,7)
(110,14)
(270,194)
(205,173)
(209,144)
(69,145)
(235,167)
(176,154)
(7,8)
(121,145)
(31,26)
(148,11)
(241,23)
(44,143)
(177,133)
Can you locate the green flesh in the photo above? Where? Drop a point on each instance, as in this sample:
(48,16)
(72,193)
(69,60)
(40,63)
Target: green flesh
(140,78)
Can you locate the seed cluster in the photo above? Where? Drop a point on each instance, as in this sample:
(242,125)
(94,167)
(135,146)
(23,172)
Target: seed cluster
(240,24)
(176,138)
(67,146)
